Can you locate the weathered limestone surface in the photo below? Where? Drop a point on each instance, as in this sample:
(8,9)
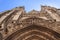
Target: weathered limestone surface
(17,24)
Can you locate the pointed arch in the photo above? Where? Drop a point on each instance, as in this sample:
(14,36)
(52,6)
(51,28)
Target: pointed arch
(46,32)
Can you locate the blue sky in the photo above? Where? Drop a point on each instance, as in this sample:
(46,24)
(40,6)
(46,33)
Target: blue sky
(28,4)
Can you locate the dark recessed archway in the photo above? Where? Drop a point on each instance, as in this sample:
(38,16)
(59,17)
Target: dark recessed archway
(34,30)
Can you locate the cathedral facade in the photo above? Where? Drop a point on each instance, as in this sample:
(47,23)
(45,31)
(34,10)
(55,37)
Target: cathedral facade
(17,24)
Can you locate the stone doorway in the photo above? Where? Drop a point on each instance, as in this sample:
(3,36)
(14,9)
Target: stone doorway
(33,32)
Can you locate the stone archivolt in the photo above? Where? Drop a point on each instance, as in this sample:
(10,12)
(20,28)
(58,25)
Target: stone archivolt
(16,24)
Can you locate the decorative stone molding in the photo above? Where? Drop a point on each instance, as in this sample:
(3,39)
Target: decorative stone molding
(34,25)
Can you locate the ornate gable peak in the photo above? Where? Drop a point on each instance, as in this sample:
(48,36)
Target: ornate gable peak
(33,12)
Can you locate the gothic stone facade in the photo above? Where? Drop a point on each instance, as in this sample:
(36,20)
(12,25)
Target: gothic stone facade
(17,24)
